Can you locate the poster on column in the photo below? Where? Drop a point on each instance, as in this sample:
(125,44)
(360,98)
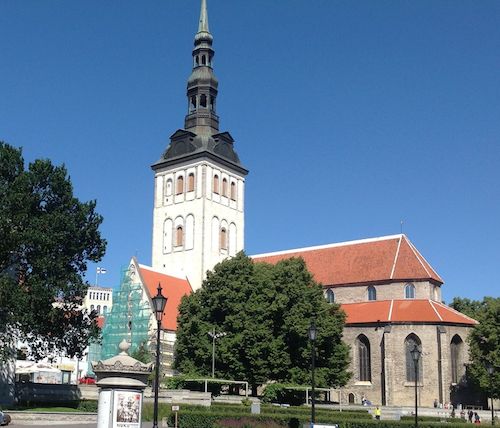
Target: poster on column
(127,409)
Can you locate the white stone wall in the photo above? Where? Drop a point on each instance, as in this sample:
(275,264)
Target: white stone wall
(201,213)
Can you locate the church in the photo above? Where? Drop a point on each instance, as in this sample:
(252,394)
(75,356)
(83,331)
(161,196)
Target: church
(390,293)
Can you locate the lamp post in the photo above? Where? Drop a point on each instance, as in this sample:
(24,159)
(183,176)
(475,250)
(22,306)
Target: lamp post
(491,370)
(159,302)
(312,338)
(415,355)
(215,336)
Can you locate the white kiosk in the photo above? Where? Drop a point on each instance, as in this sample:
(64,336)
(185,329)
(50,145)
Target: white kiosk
(121,381)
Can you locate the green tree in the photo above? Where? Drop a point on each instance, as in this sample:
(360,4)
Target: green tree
(484,342)
(47,236)
(265,311)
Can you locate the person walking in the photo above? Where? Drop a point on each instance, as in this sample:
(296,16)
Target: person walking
(377,413)
(470,415)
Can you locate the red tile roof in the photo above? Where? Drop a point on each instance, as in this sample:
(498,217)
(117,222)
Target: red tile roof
(386,259)
(172,287)
(100,322)
(410,310)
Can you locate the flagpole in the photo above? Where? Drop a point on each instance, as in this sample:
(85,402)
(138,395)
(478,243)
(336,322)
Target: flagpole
(96,274)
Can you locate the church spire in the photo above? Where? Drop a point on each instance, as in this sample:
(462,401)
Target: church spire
(202,84)
(203,26)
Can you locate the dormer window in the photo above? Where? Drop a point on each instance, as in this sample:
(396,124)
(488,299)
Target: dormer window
(330,296)
(409,291)
(372,293)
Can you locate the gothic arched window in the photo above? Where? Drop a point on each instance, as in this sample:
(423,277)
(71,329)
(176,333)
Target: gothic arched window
(216,184)
(180,185)
(179,236)
(223,239)
(456,346)
(409,291)
(191,182)
(372,293)
(330,296)
(411,341)
(364,363)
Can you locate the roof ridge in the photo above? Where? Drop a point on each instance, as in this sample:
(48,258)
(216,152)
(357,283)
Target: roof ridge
(325,246)
(419,254)
(415,251)
(435,310)
(396,257)
(455,311)
(390,310)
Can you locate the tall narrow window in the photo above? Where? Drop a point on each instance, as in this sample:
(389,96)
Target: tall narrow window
(224,187)
(190,182)
(180,185)
(330,296)
(409,291)
(456,350)
(204,60)
(372,293)
(216,184)
(223,239)
(105,310)
(99,309)
(233,190)
(410,342)
(192,105)
(203,101)
(364,366)
(179,236)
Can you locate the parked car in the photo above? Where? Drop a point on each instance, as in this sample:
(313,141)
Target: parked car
(87,380)
(4,418)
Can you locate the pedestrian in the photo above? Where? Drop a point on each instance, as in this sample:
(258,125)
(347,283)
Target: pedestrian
(470,415)
(377,413)
(477,419)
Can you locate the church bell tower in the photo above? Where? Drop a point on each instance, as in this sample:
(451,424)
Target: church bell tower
(198,214)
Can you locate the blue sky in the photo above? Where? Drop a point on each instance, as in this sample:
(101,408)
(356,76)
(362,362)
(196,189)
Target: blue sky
(350,115)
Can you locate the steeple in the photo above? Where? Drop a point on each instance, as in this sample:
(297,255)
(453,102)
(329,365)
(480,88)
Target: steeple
(202,84)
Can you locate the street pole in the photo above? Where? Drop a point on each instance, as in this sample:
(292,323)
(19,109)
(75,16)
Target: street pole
(491,370)
(213,355)
(312,338)
(157,376)
(415,355)
(416,394)
(214,336)
(159,303)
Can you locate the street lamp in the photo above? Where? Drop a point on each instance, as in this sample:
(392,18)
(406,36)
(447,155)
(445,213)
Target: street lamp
(312,337)
(159,302)
(214,336)
(415,355)
(491,370)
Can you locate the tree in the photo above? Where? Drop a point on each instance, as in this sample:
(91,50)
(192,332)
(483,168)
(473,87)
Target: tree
(484,342)
(47,236)
(265,311)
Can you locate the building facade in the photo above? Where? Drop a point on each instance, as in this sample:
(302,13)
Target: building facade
(198,213)
(392,300)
